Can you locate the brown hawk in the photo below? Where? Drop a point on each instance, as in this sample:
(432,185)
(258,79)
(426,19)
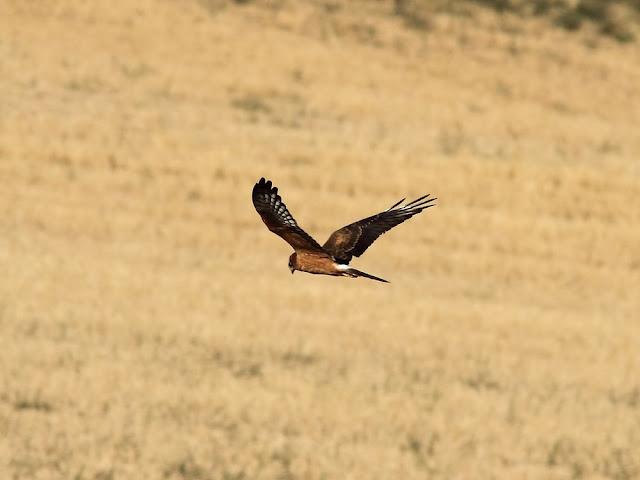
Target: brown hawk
(334,256)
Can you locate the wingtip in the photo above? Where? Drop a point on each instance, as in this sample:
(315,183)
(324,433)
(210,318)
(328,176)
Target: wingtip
(421,203)
(264,183)
(422,199)
(263,187)
(396,204)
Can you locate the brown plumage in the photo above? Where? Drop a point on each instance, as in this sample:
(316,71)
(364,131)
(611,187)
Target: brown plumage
(333,257)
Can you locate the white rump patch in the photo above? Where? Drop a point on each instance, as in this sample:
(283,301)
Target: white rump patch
(342,268)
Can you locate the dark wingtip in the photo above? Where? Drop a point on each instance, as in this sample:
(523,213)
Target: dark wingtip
(396,204)
(256,187)
(261,183)
(421,203)
(423,199)
(261,186)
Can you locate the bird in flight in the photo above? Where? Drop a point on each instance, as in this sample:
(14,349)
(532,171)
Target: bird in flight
(334,256)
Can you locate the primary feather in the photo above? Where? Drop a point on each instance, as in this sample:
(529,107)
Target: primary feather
(277,217)
(354,239)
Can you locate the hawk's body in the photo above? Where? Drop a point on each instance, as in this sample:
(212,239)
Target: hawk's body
(315,262)
(334,256)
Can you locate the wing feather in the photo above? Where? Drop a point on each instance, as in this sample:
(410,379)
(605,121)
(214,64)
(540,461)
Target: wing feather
(278,219)
(355,238)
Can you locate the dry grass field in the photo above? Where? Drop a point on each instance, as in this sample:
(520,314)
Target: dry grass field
(149,326)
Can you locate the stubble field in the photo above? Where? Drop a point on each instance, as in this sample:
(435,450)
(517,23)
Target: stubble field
(150,327)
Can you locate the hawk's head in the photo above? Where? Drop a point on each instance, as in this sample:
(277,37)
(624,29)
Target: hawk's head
(292,262)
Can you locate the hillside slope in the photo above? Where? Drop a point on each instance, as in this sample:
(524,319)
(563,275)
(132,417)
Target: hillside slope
(150,326)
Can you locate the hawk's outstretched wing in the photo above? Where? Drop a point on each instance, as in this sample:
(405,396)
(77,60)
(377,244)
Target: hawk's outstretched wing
(354,239)
(275,215)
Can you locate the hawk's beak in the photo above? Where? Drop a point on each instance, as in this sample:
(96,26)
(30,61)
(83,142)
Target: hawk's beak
(292,270)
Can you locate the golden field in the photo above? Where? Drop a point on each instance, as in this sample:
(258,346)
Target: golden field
(150,328)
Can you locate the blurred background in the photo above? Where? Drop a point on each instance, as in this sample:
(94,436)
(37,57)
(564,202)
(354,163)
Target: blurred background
(149,325)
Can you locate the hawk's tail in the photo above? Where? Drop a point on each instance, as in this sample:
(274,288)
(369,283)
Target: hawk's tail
(352,272)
